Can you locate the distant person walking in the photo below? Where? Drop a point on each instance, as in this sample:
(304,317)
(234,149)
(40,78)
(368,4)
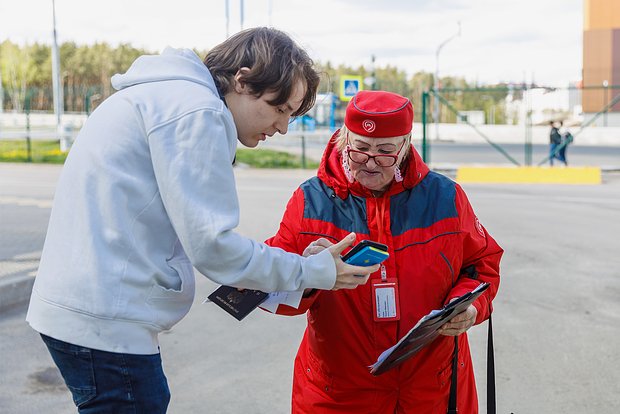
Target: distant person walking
(555,141)
(567,139)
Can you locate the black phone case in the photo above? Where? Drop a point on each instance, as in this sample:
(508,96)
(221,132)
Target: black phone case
(361,245)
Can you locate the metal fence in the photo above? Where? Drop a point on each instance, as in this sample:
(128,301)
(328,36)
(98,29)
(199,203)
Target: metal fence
(520,114)
(517,115)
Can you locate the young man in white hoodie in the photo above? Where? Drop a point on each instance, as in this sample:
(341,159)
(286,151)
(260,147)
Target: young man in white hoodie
(147,192)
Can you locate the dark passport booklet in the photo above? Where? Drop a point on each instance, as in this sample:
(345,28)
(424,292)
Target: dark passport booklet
(239,303)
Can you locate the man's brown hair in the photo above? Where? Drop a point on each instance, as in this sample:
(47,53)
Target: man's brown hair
(275,61)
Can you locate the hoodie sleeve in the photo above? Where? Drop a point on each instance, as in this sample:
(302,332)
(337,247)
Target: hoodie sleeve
(287,239)
(481,258)
(192,160)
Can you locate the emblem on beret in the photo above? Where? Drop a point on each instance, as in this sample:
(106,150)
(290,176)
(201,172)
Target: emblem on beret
(369,125)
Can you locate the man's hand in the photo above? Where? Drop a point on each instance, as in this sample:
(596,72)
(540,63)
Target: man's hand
(316,247)
(460,323)
(348,276)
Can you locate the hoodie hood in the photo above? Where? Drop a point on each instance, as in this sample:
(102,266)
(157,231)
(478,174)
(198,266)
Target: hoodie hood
(332,174)
(172,64)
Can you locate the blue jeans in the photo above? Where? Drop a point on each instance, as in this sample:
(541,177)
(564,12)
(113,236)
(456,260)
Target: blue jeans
(559,156)
(108,382)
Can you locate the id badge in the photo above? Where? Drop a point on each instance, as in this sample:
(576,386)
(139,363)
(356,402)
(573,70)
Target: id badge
(385,305)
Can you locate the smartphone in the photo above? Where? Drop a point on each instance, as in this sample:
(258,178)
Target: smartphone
(366,253)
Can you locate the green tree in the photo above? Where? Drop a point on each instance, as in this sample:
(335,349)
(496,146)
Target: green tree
(418,83)
(86,71)
(391,79)
(14,64)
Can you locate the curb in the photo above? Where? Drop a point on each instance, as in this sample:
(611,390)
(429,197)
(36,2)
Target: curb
(529,175)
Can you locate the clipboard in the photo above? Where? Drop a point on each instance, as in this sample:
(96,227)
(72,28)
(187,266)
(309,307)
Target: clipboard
(424,332)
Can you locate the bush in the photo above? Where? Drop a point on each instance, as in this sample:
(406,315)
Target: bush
(264,158)
(40,151)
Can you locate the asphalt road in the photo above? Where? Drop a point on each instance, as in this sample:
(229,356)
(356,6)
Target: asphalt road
(556,319)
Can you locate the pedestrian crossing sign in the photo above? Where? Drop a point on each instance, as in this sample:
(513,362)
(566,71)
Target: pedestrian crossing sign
(349,86)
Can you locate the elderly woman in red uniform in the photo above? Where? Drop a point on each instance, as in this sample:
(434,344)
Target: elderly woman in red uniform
(371,181)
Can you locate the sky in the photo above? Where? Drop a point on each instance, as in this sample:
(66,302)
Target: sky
(500,40)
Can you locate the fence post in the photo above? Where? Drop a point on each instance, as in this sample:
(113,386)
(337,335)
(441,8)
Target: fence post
(303,142)
(27,111)
(528,127)
(87,101)
(425,152)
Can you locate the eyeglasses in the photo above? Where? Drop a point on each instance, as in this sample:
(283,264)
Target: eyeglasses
(382,160)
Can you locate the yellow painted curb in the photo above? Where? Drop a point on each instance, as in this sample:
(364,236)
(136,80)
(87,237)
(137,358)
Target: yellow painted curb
(532,175)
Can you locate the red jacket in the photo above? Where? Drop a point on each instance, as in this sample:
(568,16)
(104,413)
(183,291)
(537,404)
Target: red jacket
(432,233)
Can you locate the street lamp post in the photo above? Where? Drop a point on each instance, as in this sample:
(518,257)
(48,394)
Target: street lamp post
(436,80)
(1,93)
(57,86)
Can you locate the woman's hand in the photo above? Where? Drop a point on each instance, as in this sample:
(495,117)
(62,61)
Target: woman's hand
(460,323)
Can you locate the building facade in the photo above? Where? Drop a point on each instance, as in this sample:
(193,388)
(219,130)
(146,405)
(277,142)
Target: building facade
(601,60)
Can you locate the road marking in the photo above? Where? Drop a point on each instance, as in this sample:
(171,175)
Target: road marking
(27,202)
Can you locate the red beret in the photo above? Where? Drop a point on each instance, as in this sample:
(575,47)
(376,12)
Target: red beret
(379,114)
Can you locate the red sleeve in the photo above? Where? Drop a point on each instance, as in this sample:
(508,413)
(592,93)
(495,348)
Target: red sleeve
(287,239)
(481,257)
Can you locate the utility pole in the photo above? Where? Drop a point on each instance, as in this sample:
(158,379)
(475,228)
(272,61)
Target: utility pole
(1,93)
(227,12)
(436,80)
(57,85)
(1,100)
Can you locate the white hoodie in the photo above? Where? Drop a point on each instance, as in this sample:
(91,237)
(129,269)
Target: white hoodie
(147,191)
